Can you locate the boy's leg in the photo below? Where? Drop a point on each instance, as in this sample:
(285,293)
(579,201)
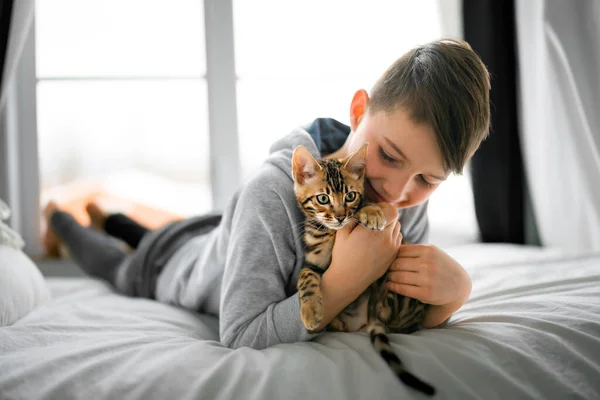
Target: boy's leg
(124,228)
(117,225)
(96,253)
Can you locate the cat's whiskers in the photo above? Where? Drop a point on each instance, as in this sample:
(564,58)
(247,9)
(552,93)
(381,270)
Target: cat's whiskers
(313,236)
(353,218)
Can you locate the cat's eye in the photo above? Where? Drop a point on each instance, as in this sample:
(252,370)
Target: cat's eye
(323,199)
(350,197)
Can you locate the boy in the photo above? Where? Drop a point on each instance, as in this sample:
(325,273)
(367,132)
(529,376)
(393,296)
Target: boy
(424,119)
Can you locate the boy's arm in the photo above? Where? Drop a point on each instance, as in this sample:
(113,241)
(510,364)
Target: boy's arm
(438,315)
(255,310)
(427,273)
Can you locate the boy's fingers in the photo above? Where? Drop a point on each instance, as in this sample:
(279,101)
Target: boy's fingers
(406,264)
(412,250)
(405,290)
(390,213)
(404,277)
(396,230)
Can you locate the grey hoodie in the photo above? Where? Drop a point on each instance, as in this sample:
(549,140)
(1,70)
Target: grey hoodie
(245,270)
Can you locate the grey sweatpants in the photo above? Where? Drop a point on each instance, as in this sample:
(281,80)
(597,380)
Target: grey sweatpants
(135,274)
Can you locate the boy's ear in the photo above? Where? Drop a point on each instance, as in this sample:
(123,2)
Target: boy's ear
(355,163)
(358,107)
(304,165)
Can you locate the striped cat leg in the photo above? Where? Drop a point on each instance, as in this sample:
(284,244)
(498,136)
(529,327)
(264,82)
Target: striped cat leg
(381,343)
(311,298)
(338,325)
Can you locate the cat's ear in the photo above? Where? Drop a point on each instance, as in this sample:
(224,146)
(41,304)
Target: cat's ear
(304,165)
(355,163)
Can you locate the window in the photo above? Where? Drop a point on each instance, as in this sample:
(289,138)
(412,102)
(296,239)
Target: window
(306,61)
(122,104)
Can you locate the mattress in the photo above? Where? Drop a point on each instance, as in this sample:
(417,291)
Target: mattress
(531,330)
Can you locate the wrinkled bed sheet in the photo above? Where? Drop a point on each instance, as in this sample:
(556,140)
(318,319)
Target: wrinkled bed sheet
(531,330)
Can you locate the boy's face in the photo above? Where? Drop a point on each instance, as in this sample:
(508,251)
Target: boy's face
(404,163)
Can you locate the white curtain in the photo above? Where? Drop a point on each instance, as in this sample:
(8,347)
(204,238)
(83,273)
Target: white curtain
(559,57)
(19,183)
(21,20)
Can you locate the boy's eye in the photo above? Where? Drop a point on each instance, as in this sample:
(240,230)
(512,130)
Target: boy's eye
(425,181)
(385,156)
(323,199)
(350,197)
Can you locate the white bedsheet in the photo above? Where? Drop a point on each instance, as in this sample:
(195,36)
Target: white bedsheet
(531,330)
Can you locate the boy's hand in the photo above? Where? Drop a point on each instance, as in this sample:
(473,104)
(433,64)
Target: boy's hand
(428,274)
(360,255)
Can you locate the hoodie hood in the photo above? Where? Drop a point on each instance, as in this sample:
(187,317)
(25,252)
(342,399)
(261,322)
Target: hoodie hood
(321,137)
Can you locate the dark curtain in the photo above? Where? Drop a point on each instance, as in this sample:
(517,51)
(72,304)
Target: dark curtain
(497,167)
(5,16)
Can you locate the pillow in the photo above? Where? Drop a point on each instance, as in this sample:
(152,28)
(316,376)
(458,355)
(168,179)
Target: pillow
(8,236)
(22,286)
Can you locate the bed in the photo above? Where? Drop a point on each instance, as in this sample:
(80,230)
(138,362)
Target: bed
(531,330)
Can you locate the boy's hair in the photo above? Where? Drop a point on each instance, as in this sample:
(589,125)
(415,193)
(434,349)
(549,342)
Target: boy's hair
(445,85)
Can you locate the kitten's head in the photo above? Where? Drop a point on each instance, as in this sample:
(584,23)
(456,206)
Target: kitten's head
(329,191)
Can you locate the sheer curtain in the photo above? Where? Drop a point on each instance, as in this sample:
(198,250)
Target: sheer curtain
(20,20)
(559,52)
(18,138)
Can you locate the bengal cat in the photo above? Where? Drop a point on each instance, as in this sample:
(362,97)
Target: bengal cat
(330,194)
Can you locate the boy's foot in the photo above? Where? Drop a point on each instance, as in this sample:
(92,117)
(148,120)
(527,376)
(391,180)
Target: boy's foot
(51,241)
(97,216)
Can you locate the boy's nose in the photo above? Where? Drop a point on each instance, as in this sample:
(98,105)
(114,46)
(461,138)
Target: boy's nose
(396,191)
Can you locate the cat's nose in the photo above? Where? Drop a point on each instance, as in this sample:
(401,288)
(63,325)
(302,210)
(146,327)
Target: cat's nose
(340,218)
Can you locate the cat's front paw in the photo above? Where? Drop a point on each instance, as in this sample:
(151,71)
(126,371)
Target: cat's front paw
(311,312)
(372,217)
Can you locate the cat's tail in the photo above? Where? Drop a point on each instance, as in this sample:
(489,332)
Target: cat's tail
(381,344)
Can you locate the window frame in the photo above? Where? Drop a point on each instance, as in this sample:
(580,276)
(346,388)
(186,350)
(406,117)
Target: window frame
(21,179)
